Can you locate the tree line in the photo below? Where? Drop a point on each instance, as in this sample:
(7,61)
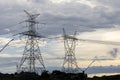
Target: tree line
(55,75)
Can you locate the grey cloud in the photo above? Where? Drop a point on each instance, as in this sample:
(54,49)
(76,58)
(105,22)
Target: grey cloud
(103,69)
(68,13)
(98,17)
(114,52)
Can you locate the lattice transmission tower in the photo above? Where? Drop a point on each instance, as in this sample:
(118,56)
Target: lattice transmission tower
(32,60)
(70,63)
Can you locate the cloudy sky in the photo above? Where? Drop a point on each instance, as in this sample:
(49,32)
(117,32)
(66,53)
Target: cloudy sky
(92,19)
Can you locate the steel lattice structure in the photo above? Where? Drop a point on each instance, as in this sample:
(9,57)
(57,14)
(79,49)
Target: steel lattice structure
(32,60)
(70,63)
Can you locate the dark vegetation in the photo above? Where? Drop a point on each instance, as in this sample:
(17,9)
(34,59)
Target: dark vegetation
(55,75)
(114,77)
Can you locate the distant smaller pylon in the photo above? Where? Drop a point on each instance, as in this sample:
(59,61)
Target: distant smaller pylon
(70,63)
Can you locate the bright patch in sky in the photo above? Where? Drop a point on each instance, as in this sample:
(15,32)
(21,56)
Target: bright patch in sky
(86,2)
(60,1)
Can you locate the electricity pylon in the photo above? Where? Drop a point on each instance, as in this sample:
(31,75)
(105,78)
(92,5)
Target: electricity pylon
(32,60)
(70,63)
